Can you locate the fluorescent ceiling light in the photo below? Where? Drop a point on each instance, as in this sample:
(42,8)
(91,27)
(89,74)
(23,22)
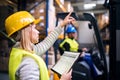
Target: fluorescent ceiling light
(89,6)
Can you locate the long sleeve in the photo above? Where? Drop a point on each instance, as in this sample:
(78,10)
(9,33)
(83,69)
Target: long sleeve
(43,46)
(66,46)
(28,70)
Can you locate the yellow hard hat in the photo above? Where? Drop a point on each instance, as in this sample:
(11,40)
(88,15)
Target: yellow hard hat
(17,21)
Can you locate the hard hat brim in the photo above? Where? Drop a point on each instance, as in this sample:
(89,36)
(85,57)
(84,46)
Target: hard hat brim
(37,21)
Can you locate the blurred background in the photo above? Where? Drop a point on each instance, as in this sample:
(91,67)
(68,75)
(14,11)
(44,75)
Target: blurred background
(47,11)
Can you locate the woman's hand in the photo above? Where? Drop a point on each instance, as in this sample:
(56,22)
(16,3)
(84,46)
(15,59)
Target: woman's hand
(66,76)
(68,19)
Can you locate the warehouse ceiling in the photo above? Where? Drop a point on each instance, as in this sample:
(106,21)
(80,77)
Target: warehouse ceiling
(95,6)
(80,6)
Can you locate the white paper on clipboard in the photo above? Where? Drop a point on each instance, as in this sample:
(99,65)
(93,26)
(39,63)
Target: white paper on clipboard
(65,62)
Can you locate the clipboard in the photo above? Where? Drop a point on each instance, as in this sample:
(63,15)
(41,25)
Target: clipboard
(65,63)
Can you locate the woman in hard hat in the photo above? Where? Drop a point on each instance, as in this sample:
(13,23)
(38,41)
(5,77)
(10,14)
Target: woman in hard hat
(24,64)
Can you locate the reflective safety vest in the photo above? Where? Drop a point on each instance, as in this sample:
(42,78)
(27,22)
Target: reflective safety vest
(73,44)
(16,57)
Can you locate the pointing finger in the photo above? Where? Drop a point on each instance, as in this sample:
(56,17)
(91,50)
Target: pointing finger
(69,13)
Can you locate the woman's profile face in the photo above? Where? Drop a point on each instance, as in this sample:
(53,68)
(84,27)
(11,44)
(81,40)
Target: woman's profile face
(34,34)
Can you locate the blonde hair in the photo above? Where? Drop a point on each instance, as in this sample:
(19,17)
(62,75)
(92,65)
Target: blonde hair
(25,41)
